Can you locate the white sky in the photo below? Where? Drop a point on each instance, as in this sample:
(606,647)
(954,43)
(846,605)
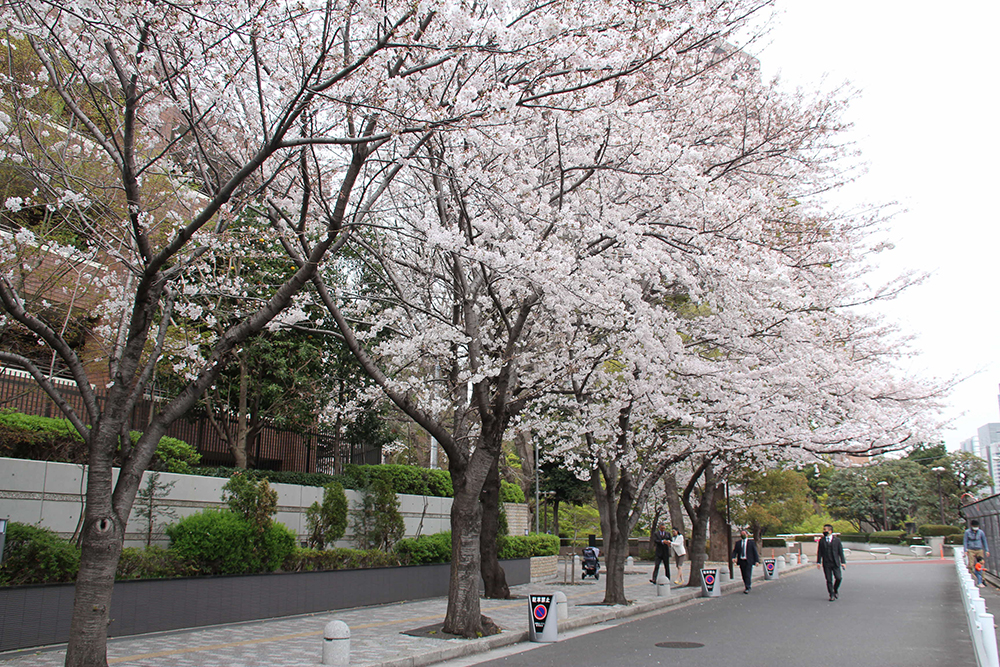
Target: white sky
(927,125)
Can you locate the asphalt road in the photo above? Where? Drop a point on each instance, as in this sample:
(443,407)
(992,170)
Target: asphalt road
(889,613)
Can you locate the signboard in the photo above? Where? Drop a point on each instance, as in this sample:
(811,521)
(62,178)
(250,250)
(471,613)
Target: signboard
(770,571)
(542,621)
(540,610)
(709,582)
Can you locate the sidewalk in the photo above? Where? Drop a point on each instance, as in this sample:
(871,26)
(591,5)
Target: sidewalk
(378,634)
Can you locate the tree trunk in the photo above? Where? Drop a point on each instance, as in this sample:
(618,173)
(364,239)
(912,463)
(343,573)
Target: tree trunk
(103,535)
(463,617)
(674,502)
(526,452)
(494,578)
(614,502)
(699,517)
(718,528)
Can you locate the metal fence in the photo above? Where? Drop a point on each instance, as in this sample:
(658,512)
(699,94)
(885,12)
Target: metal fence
(987,512)
(272,448)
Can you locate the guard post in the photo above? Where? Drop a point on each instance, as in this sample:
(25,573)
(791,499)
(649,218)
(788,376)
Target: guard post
(543,626)
(337,644)
(770,569)
(710,587)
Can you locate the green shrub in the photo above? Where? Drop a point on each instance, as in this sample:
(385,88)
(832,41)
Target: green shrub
(151,563)
(309,560)
(525,546)
(887,537)
(221,542)
(378,523)
(34,555)
(510,493)
(279,543)
(40,438)
(252,499)
(425,549)
(954,539)
(855,537)
(172,455)
(401,479)
(439,484)
(773,542)
(327,522)
(931,529)
(49,439)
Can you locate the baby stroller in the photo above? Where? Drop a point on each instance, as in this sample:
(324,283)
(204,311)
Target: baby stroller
(591,565)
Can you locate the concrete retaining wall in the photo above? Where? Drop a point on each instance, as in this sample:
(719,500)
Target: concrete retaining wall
(51,495)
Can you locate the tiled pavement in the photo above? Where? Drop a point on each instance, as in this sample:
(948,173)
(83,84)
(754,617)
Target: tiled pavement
(376,632)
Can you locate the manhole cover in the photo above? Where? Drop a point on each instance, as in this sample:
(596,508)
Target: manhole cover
(680,645)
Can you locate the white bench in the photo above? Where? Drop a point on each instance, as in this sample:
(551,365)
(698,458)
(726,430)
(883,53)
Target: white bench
(921,550)
(885,551)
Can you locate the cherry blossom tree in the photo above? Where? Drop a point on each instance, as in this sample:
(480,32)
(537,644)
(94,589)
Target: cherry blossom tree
(181,135)
(490,256)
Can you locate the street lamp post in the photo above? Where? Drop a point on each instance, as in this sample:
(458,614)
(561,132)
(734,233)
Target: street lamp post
(885,521)
(939,470)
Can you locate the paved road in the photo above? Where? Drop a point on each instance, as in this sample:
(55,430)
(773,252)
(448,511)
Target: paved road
(889,613)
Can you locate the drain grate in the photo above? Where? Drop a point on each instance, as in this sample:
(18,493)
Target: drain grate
(680,645)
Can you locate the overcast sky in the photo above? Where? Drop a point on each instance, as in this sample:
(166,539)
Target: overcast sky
(927,124)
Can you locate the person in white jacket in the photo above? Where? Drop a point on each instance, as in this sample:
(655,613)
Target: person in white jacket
(680,553)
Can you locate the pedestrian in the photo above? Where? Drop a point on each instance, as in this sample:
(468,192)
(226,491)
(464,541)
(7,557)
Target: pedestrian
(745,555)
(680,553)
(979,567)
(974,543)
(661,546)
(830,556)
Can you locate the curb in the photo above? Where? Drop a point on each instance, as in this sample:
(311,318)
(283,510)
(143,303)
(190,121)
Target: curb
(508,638)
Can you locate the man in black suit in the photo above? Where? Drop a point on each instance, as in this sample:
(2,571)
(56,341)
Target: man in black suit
(830,556)
(745,555)
(661,548)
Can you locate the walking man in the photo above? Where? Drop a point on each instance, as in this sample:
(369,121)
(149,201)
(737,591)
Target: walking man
(974,542)
(830,556)
(745,555)
(661,543)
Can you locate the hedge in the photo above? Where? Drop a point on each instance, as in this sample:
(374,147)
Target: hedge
(153,562)
(278,476)
(526,546)
(437,548)
(932,529)
(887,537)
(773,542)
(24,436)
(511,493)
(854,537)
(310,560)
(425,549)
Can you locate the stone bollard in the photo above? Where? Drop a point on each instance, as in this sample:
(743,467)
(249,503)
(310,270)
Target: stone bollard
(662,586)
(629,563)
(337,644)
(562,605)
(780,565)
